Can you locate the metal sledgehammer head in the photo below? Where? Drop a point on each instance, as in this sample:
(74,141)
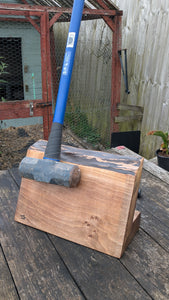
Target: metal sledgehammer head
(50,171)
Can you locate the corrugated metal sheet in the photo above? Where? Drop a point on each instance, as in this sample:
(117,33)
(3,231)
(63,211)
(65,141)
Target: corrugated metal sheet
(65,3)
(89,4)
(69,3)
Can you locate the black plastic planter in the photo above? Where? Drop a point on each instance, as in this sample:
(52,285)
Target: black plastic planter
(163,161)
(129,139)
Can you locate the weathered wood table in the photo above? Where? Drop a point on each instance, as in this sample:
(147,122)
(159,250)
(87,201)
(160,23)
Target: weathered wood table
(37,265)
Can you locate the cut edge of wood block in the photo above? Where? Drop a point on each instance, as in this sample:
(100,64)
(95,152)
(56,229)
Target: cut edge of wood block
(134,230)
(132,210)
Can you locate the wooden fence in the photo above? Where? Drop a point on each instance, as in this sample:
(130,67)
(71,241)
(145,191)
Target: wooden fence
(145,35)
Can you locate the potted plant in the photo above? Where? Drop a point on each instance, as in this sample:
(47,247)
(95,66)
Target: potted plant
(163,152)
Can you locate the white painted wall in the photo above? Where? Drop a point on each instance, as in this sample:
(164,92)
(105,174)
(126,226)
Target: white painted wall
(146,36)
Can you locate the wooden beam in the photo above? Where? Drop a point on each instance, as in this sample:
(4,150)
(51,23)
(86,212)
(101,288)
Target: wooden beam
(20,109)
(102,4)
(55,79)
(116,74)
(35,25)
(138,110)
(47,111)
(125,107)
(21,7)
(107,19)
(43,28)
(46,73)
(36,8)
(104,12)
(108,4)
(128,118)
(19,12)
(54,19)
(110,23)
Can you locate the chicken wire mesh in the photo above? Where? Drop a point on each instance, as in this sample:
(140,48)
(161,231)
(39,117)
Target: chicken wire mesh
(20,62)
(11,68)
(88,107)
(89,100)
(20,79)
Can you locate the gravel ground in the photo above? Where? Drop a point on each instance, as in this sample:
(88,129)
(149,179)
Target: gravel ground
(14,143)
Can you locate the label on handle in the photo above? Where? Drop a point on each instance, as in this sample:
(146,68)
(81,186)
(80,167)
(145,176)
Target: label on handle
(71,40)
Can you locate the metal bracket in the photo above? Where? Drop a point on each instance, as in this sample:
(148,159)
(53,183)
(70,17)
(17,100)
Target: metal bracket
(31,109)
(43,104)
(125,73)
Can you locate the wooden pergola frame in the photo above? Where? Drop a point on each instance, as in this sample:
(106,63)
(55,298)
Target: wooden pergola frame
(43,107)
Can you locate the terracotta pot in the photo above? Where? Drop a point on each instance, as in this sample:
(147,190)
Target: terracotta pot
(163,161)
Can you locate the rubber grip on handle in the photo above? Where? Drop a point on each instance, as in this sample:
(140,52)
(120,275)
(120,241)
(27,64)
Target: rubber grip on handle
(53,147)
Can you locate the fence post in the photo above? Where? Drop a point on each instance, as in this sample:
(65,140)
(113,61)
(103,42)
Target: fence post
(116,74)
(45,70)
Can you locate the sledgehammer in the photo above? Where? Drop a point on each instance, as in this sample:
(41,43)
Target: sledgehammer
(50,169)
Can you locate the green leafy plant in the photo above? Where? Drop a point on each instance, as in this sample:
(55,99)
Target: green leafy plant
(3,67)
(165,137)
(3,99)
(78,123)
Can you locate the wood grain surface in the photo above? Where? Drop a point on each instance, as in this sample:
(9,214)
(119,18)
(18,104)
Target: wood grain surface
(98,213)
(39,266)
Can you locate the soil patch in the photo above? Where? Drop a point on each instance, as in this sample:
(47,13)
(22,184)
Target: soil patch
(14,143)
(163,154)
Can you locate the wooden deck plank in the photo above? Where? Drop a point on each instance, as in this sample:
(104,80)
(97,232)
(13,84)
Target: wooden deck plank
(154,227)
(99,276)
(149,264)
(39,272)
(14,172)
(7,287)
(155,197)
(36,267)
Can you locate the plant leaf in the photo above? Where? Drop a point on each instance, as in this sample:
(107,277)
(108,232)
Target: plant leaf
(163,135)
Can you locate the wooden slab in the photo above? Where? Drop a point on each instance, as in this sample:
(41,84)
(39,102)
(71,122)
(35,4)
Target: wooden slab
(29,262)
(98,213)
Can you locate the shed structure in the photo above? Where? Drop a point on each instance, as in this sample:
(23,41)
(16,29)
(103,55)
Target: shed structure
(34,70)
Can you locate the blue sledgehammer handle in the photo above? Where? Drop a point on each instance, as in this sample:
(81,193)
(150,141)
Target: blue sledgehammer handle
(54,143)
